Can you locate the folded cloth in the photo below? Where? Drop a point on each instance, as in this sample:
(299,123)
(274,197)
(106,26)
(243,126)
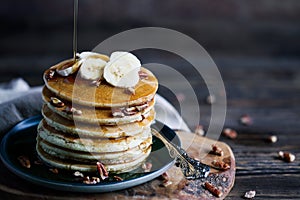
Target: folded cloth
(19,101)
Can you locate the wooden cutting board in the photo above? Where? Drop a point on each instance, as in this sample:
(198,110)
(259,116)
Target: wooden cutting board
(13,187)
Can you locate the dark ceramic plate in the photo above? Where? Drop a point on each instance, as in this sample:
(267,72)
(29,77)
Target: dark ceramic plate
(21,141)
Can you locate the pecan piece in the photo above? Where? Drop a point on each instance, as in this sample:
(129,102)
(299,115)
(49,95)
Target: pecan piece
(147,167)
(286,156)
(72,110)
(216,150)
(246,120)
(50,74)
(220,165)
(24,161)
(117,113)
(57,102)
(228,132)
(103,173)
(166,180)
(92,180)
(250,194)
(118,178)
(214,190)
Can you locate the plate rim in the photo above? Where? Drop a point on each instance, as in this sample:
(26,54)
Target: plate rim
(74,187)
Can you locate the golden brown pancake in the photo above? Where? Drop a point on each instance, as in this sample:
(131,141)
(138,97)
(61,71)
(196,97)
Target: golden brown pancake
(95,130)
(95,115)
(74,88)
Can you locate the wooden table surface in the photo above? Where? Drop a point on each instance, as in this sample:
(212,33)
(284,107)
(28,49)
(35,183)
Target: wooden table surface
(269,92)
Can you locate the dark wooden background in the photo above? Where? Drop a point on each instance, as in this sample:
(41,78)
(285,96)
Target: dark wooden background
(255,45)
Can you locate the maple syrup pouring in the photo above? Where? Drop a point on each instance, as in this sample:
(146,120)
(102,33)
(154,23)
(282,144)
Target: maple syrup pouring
(75,9)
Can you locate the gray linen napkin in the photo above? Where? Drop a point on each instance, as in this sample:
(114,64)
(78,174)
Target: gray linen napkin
(18,101)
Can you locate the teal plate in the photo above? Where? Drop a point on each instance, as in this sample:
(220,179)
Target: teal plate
(21,141)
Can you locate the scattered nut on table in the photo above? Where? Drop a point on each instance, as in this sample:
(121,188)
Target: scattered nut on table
(216,150)
(272,139)
(250,194)
(246,120)
(230,133)
(286,156)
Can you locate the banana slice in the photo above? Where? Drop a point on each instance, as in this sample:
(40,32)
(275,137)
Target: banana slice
(122,70)
(92,68)
(67,67)
(88,54)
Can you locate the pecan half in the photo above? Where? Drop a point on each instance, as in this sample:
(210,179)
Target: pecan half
(92,180)
(228,132)
(24,161)
(103,173)
(216,150)
(147,167)
(214,190)
(57,102)
(286,156)
(118,178)
(220,165)
(250,194)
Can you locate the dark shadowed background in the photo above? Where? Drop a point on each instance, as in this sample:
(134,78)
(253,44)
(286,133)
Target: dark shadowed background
(239,34)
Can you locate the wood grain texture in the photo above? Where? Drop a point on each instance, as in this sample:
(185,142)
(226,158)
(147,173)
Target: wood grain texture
(16,188)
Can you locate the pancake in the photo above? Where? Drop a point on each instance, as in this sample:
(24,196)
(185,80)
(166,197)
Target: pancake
(87,119)
(96,115)
(95,130)
(75,89)
(77,166)
(58,138)
(86,157)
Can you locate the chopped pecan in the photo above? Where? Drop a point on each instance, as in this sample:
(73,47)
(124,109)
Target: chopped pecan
(250,194)
(103,173)
(214,190)
(57,102)
(142,107)
(286,156)
(228,132)
(92,180)
(72,110)
(246,120)
(220,165)
(117,113)
(50,74)
(118,178)
(130,111)
(216,150)
(24,161)
(147,166)
(166,180)
(272,139)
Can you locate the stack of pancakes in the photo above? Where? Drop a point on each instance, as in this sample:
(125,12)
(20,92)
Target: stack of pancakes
(84,123)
